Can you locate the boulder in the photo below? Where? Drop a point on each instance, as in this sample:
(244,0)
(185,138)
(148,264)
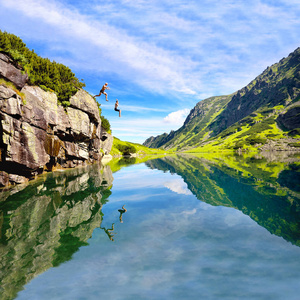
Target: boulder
(24,143)
(4,178)
(290,119)
(106,141)
(53,145)
(54,114)
(17,179)
(85,102)
(78,150)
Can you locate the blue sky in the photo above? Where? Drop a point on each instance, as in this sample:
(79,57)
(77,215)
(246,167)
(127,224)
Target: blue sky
(159,57)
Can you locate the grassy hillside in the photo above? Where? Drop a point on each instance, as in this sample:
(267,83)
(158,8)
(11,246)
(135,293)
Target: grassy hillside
(195,127)
(264,115)
(121,148)
(259,131)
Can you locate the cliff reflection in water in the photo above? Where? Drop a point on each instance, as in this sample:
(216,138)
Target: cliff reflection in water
(45,224)
(265,188)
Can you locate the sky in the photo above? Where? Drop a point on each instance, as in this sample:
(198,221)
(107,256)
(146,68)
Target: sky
(159,58)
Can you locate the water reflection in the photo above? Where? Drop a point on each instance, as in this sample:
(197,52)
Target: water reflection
(170,246)
(267,188)
(44,223)
(122,211)
(109,231)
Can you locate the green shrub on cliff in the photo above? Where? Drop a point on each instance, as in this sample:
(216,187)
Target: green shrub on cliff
(105,124)
(41,71)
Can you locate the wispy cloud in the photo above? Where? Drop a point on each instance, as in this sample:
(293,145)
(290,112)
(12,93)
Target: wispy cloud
(183,51)
(120,52)
(168,47)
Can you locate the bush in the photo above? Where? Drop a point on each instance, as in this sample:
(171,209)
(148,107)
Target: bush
(238,145)
(247,121)
(41,71)
(252,140)
(230,130)
(126,149)
(267,111)
(105,123)
(66,103)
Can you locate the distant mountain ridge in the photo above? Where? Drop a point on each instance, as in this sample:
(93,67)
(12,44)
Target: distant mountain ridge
(263,113)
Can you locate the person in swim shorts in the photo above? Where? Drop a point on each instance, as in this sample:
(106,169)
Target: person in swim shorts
(102,91)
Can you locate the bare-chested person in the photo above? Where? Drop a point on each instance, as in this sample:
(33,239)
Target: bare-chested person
(102,91)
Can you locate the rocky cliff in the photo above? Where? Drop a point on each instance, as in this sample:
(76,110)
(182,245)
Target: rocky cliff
(37,134)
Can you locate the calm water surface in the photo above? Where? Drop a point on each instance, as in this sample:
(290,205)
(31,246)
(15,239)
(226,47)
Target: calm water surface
(194,229)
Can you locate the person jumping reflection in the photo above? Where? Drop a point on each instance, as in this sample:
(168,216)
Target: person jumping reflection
(110,232)
(122,211)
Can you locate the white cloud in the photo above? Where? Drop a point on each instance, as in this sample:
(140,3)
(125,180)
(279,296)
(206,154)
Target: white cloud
(189,212)
(177,117)
(178,186)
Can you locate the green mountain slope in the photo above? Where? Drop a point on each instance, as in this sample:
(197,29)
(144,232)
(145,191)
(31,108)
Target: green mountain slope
(265,114)
(195,126)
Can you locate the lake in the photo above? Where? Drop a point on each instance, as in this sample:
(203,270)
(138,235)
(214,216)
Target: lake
(175,227)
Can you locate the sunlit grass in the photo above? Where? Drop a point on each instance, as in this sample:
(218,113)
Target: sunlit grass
(140,149)
(11,86)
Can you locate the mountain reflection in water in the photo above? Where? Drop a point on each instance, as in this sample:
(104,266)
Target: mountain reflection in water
(267,188)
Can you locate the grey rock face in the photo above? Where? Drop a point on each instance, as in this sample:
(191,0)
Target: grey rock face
(37,135)
(291,119)
(11,73)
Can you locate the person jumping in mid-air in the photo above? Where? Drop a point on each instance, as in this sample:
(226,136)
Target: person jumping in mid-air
(116,107)
(102,91)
